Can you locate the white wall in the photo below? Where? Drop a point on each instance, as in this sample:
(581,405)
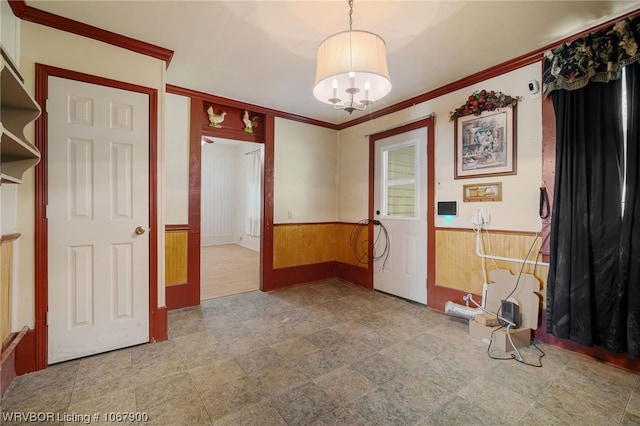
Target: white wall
(218,194)
(305,173)
(176,124)
(243,239)
(223,194)
(518,210)
(40,44)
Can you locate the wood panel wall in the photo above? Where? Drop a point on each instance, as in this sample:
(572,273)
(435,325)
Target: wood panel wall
(459,267)
(303,244)
(5,289)
(310,243)
(6,284)
(176,256)
(345,247)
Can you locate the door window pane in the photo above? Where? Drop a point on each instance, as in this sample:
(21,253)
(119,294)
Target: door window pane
(400,181)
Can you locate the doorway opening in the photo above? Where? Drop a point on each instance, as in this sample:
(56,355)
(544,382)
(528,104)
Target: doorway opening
(230,217)
(412,246)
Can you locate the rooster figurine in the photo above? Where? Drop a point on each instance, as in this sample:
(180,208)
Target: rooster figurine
(215,120)
(248,126)
(249,123)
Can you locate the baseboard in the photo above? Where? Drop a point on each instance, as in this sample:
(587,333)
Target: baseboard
(357,275)
(294,275)
(618,360)
(8,360)
(163,324)
(177,296)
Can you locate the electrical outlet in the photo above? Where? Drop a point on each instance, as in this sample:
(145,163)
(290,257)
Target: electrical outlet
(480,218)
(486,218)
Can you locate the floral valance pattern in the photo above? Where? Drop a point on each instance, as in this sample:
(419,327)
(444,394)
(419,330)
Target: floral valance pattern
(598,56)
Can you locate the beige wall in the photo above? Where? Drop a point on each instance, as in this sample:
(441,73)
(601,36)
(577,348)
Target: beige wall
(177,154)
(519,209)
(9,31)
(305,175)
(44,45)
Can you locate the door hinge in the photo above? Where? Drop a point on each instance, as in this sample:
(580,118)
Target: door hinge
(46,319)
(46,211)
(46,106)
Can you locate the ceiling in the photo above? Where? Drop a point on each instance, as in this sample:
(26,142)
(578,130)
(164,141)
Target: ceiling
(263,52)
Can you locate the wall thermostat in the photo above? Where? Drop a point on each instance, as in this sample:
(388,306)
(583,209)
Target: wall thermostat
(447,208)
(534,87)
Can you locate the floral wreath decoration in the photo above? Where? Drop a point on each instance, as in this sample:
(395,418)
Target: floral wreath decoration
(484,100)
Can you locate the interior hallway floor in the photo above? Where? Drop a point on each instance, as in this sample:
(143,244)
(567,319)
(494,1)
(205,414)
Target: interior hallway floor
(228,269)
(328,353)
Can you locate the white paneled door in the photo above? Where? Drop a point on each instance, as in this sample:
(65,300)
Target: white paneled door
(400,194)
(98,218)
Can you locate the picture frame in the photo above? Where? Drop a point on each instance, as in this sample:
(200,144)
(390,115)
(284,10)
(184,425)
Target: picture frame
(482,192)
(485,144)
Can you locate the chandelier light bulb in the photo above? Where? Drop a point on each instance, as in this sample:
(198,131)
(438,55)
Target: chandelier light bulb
(351,70)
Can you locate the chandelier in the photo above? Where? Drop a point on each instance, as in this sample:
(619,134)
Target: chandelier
(352,69)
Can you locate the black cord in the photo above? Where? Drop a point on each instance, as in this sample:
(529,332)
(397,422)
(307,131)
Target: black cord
(544,211)
(513,357)
(542,354)
(362,253)
(489,347)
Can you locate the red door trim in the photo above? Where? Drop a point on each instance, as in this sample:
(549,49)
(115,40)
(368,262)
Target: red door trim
(189,293)
(429,124)
(156,323)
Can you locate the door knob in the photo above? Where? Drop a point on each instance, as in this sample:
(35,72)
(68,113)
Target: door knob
(139,230)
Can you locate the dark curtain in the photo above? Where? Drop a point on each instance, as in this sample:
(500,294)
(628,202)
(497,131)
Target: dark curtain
(627,337)
(584,276)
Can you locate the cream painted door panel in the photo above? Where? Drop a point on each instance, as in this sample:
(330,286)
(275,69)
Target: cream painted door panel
(98,219)
(400,194)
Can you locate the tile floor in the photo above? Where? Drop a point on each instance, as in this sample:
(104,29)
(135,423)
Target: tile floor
(325,354)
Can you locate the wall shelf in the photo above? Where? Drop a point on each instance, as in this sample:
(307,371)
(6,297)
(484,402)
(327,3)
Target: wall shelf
(17,109)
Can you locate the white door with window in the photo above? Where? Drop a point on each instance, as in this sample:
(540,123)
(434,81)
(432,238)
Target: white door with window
(400,194)
(97,218)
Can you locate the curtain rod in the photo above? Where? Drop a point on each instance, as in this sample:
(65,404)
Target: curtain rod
(251,152)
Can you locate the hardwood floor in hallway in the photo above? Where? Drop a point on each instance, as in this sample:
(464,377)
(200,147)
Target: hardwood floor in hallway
(228,269)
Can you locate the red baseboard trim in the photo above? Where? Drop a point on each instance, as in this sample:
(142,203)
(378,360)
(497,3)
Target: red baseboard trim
(354,274)
(163,324)
(618,360)
(7,372)
(8,361)
(177,296)
(26,354)
(294,275)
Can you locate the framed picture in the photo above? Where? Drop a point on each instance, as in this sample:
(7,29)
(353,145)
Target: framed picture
(482,192)
(485,144)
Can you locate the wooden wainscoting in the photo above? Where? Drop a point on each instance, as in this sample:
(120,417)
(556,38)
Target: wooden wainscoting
(176,255)
(303,244)
(306,252)
(6,284)
(345,247)
(459,267)
(8,339)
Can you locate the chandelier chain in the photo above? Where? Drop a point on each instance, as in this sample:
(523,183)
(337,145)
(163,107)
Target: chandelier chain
(350,15)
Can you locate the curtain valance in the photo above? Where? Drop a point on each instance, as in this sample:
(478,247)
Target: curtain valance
(598,56)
